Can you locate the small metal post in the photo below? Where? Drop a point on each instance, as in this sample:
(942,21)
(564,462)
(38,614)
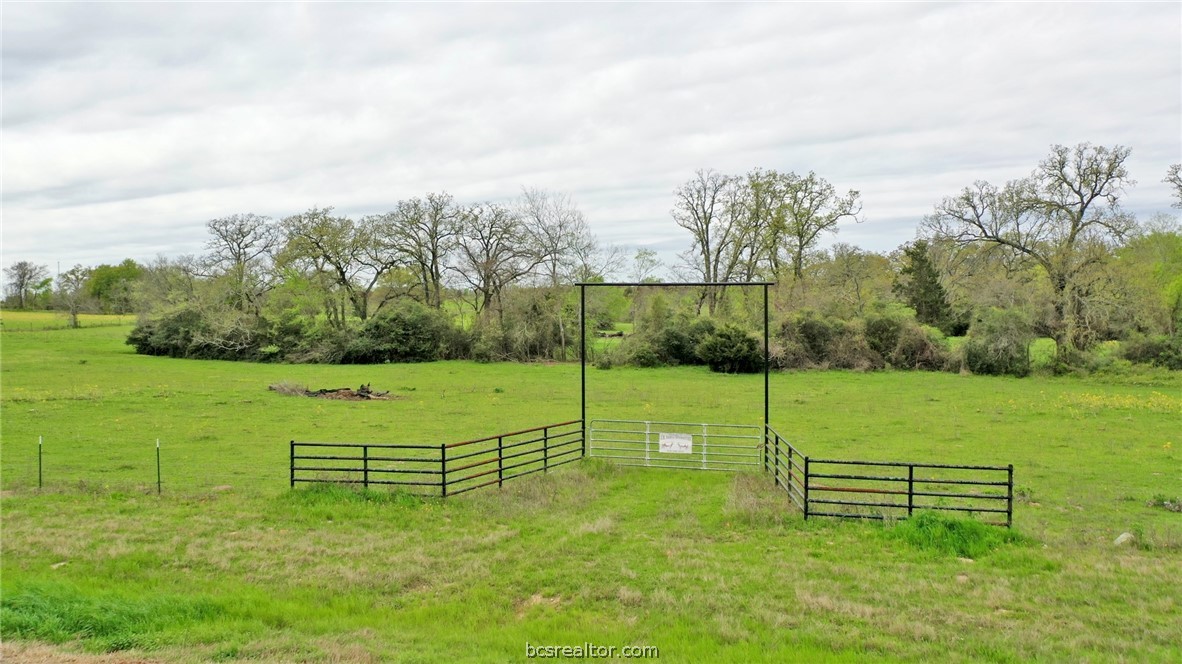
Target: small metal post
(776,459)
(39,484)
(703,447)
(500,461)
(443,469)
(157,466)
(647,435)
(910,489)
(806,488)
(765,448)
(1010,496)
(545,450)
(293,464)
(365,467)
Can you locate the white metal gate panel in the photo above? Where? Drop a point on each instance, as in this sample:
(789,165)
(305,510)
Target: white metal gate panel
(677,444)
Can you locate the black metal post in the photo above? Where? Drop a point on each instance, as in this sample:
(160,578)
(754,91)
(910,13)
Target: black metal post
(545,450)
(806,488)
(910,489)
(776,459)
(365,467)
(766,465)
(293,464)
(39,484)
(767,357)
(443,469)
(500,461)
(157,466)
(1010,496)
(583,362)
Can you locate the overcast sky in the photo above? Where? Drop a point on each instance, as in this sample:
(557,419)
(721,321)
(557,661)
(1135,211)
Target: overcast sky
(127,126)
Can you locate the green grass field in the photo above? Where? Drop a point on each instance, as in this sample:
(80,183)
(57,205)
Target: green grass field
(229,564)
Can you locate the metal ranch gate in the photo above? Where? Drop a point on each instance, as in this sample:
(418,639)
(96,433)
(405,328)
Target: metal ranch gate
(677,444)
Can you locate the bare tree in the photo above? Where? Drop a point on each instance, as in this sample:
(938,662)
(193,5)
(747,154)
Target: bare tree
(644,265)
(357,255)
(23,279)
(710,207)
(72,293)
(560,233)
(807,207)
(425,231)
(1062,218)
(1174,179)
(242,248)
(494,250)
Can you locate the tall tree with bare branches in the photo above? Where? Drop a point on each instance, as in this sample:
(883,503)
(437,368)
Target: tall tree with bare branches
(1064,218)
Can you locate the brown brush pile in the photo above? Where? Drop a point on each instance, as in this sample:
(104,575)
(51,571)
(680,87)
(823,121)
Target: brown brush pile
(363,393)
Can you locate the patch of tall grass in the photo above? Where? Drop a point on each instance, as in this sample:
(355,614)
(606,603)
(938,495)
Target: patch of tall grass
(940,534)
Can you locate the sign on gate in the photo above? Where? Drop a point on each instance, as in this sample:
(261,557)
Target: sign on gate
(676,443)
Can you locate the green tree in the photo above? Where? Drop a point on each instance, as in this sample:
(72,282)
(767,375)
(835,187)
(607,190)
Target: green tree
(113,286)
(918,284)
(1063,218)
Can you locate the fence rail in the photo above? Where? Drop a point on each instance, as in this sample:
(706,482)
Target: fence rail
(888,489)
(444,469)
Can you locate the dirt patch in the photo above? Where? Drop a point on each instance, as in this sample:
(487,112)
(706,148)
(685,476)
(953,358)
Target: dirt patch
(537,599)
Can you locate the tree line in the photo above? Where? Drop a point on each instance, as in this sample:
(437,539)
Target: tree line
(1048,254)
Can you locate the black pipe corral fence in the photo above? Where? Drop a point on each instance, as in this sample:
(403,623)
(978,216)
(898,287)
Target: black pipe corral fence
(818,487)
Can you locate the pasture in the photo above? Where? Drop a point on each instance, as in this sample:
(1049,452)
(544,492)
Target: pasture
(229,564)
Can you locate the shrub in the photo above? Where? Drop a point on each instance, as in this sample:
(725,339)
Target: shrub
(1159,351)
(848,348)
(920,348)
(730,349)
(999,344)
(406,332)
(677,343)
(814,334)
(169,335)
(809,340)
(641,353)
(883,332)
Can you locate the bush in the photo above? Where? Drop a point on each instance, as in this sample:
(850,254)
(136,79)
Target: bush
(730,349)
(643,354)
(883,332)
(406,332)
(814,334)
(999,344)
(848,348)
(920,348)
(808,340)
(170,335)
(677,343)
(1161,351)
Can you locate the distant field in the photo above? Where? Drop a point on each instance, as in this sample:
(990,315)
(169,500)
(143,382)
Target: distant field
(229,564)
(15,321)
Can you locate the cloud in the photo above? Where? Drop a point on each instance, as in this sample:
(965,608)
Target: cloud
(127,126)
